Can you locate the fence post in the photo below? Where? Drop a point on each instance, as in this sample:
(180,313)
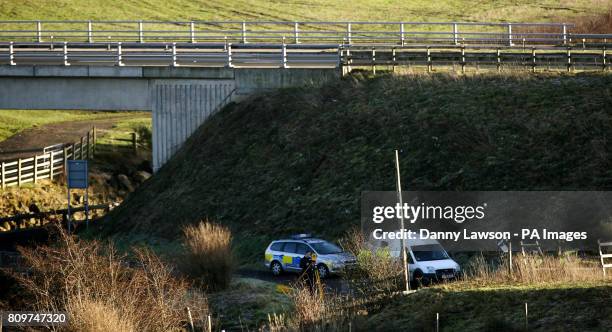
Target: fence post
(35,168)
(174,55)
(244,32)
(569,59)
(39,31)
(429,64)
(51,166)
(348,33)
(73,151)
(81,149)
(140,32)
(498,60)
(19,172)
(11,54)
(533,58)
(89,32)
(66,161)
(134,146)
(3,176)
(229,55)
(455,34)
(93,134)
(284,54)
(509,26)
(463,58)
(296,33)
(564,34)
(603,56)
(119,55)
(192,31)
(374,61)
(88,145)
(66,54)
(402,40)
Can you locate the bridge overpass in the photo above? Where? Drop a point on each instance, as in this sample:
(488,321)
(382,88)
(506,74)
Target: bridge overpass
(185,71)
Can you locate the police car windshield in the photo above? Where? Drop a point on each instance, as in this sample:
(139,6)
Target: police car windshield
(325,248)
(429,252)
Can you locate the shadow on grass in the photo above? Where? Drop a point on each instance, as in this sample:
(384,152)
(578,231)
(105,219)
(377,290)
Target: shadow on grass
(566,308)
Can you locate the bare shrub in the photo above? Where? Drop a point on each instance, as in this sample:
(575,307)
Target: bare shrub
(376,271)
(314,310)
(533,269)
(207,257)
(101,291)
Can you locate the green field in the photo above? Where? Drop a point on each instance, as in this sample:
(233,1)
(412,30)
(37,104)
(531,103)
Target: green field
(14,121)
(316,10)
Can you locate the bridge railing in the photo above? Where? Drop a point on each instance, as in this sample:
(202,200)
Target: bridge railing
(346,33)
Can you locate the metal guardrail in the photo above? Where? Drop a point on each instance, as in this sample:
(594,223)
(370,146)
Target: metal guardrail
(346,33)
(296,44)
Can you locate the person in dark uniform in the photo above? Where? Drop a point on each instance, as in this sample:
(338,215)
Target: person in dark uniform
(307,264)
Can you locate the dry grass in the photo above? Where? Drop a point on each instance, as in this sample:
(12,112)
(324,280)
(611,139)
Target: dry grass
(100,290)
(313,311)
(533,270)
(376,271)
(207,257)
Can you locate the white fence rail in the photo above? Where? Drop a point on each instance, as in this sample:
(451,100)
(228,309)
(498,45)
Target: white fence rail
(346,33)
(47,165)
(605,255)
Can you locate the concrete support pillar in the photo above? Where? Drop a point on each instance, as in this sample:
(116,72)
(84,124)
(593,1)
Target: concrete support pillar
(179,108)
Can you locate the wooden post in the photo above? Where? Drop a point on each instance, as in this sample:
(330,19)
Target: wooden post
(510,255)
(66,161)
(93,148)
(35,168)
(134,146)
(19,172)
(88,145)
(73,151)
(51,166)
(81,149)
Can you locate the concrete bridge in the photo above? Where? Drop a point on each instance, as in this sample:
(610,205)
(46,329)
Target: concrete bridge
(184,71)
(180,98)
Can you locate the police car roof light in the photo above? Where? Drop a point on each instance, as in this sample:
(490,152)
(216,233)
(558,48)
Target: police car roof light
(301,236)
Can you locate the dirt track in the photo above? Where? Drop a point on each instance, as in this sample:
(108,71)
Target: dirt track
(27,142)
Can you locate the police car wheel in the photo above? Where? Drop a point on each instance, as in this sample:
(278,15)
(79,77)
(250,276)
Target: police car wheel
(323,271)
(276,268)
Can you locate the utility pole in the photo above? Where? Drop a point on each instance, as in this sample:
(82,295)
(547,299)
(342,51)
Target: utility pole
(403,240)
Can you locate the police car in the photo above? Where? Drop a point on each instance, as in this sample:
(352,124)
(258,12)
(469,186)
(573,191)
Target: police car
(285,255)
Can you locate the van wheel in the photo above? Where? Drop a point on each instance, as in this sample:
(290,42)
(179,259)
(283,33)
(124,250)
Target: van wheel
(276,268)
(323,271)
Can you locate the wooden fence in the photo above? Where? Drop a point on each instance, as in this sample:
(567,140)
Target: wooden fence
(49,164)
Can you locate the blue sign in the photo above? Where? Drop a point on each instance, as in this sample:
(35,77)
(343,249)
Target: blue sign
(77,174)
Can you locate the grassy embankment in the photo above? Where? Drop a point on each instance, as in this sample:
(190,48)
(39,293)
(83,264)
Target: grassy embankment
(318,10)
(297,159)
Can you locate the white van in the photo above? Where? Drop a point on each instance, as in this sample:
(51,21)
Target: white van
(427,259)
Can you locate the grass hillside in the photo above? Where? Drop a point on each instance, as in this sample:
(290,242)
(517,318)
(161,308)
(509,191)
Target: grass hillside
(316,10)
(497,309)
(297,159)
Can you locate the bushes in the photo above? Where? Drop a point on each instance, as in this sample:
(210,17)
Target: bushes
(100,291)
(533,269)
(207,257)
(376,273)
